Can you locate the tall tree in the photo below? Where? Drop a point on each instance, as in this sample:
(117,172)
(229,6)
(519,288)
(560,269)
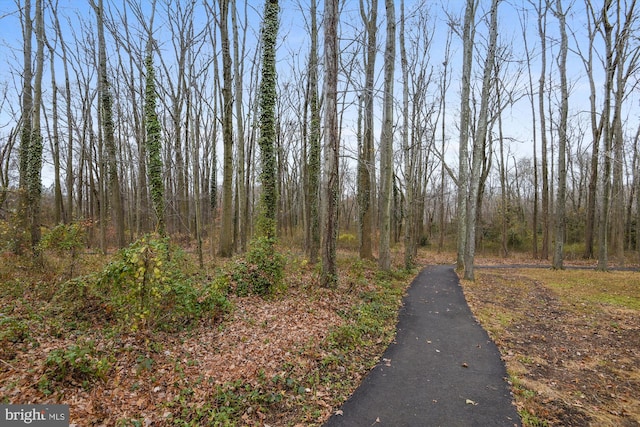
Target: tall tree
(329,277)
(444,85)
(534,133)
(386,140)
(34,151)
(154,142)
(108,128)
(313,169)
(542,29)
(267,140)
(558,253)
(607,139)
(596,132)
(242,214)
(479,145)
(54,141)
(468,36)
(226,227)
(409,179)
(366,154)
(627,59)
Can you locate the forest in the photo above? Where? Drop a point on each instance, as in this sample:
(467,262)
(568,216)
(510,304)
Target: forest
(150,146)
(520,116)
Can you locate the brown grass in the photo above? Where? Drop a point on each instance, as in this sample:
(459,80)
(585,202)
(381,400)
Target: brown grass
(570,339)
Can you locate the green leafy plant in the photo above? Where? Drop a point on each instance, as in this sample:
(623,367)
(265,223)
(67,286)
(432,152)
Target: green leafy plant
(261,271)
(12,331)
(79,362)
(65,239)
(146,288)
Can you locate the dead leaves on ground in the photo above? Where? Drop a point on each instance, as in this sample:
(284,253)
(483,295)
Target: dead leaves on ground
(147,373)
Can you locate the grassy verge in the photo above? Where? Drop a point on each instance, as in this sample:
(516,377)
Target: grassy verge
(570,340)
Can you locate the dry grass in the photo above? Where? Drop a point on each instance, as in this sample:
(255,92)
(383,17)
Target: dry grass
(570,339)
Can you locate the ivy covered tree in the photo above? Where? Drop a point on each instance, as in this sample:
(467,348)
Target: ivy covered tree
(313,192)
(108,127)
(31,136)
(154,142)
(268,97)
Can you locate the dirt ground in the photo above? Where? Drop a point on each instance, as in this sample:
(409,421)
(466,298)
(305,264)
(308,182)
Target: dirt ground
(572,348)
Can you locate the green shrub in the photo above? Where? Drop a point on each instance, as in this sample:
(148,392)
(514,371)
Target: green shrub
(77,362)
(348,241)
(12,332)
(261,271)
(144,287)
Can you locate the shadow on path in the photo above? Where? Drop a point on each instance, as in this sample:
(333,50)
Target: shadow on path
(441,370)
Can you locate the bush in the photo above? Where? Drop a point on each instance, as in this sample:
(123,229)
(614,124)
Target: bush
(75,363)
(65,239)
(12,332)
(144,287)
(261,271)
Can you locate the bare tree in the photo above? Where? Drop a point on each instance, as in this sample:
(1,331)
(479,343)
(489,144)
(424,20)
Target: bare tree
(108,128)
(479,145)
(242,217)
(226,228)
(468,36)
(154,140)
(332,144)
(366,155)
(542,23)
(386,141)
(534,133)
(558,253)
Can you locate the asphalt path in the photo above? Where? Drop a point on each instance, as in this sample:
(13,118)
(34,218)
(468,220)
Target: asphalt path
(441,370)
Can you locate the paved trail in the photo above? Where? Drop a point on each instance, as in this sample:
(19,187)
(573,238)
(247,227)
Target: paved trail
(441,370)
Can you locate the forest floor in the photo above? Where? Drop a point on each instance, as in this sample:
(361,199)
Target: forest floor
(570,340)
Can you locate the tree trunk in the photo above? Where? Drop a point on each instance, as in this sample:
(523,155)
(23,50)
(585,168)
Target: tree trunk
(558,253)
(479,146)
(409,179)
(240,175)
(542,23)
(366,156)
(536,191)
(27,120)
(332,144)
(443,95)
(154,143)
(313,192)
(58,214)
(596,131)
(465,113)
(226,228)
(267,140)
(386,141)
(607,140)
(106,104)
